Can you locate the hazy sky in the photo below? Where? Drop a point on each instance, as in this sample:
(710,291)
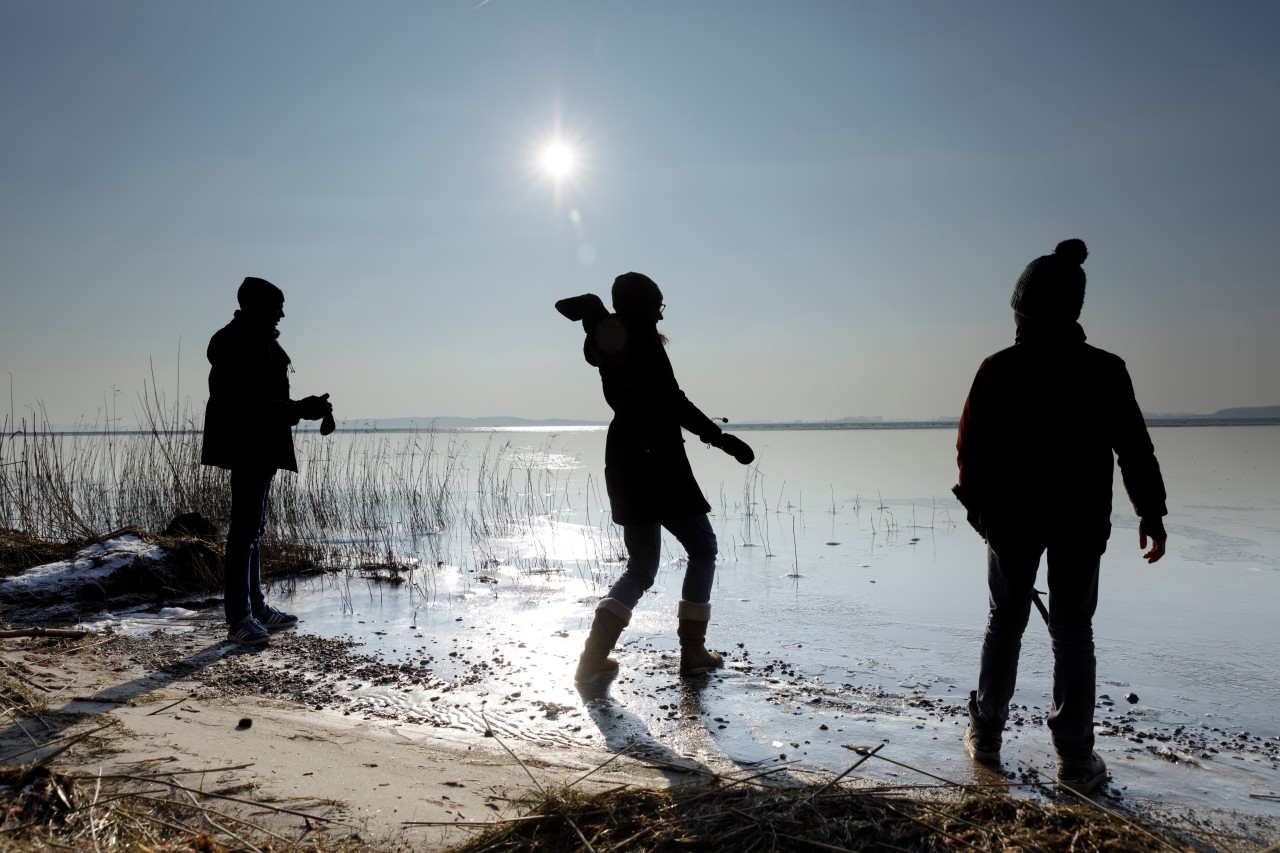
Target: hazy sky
(835,197)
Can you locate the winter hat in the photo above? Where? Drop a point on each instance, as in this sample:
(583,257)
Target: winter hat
(258,293)
(1051,288)
(635,293)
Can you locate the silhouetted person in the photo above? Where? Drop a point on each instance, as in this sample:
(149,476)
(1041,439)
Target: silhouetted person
(248,429)
(647,474)
(1035,446)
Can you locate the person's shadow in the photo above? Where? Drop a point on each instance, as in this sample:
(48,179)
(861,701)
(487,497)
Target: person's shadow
(625,733)
(36,744)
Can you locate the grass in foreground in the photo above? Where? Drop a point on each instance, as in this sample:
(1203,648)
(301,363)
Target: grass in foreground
(816,817)
(49,810)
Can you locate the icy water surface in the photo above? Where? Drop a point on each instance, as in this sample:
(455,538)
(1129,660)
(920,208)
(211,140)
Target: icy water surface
(850,599)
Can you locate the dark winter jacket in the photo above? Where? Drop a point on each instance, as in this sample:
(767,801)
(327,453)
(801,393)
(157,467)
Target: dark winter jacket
(647,473)
(249,418)
(1037,435)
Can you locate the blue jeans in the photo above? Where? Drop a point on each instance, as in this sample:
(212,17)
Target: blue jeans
(242,569)
(644,545)
(1073,598)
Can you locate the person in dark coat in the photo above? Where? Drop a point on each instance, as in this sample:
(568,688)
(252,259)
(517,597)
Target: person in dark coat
(248,429)
(1041,428)
(647,474)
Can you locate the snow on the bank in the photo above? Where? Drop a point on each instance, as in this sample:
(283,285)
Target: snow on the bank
(139,622)
(91,564)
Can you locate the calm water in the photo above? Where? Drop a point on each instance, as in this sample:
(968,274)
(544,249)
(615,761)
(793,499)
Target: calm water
(850,598)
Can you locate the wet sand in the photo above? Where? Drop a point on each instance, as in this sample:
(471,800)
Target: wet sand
(267,726)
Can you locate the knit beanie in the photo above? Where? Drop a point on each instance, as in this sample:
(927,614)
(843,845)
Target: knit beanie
(635,293)
(1051,288)
(258,293)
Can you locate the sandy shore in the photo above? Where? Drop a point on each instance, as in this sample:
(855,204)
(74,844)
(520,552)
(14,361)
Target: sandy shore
(258,725)
(272,737)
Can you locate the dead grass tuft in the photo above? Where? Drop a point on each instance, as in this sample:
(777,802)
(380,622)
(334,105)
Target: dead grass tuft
(740,818)
(20,551)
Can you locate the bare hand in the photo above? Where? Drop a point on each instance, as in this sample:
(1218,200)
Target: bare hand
(1157,546)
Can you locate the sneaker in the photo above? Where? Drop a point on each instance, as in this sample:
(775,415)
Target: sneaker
(273,618)
(248,633)
(1081,775)
(982,744)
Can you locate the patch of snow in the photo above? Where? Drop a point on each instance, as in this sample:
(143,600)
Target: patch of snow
(97,561)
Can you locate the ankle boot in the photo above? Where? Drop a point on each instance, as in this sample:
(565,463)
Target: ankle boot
(694,657)
(595,664)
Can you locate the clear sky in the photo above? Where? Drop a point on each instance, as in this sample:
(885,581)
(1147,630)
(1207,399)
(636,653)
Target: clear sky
(835,197)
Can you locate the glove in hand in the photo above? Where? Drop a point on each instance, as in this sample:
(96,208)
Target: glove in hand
(737,448)
(314,408)
(580,307)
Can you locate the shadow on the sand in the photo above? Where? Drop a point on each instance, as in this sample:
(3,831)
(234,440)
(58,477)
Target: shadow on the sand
(32,743)
(625,733)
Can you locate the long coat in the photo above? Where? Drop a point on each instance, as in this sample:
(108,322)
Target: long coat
(249,418)
(1038,433)
(647,473)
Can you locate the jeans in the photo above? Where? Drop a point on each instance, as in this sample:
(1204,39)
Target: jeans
(1073,598)
(644,545)
(242,569)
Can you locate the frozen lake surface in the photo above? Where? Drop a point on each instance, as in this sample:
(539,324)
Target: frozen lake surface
(849,601)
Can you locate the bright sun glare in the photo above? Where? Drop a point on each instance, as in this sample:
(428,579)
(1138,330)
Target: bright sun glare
(557,160)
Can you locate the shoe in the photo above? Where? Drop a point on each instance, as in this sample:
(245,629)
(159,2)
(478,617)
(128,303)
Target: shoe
(248,633)
(595,665)
(272,618)
(692,631)
(982,744)
(1081,775)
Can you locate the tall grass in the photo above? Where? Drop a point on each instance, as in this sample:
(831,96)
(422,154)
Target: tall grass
(395,500)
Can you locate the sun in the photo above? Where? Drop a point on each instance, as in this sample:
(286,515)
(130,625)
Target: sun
(558,160)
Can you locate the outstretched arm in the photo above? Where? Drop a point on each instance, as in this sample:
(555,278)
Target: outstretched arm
(588,308)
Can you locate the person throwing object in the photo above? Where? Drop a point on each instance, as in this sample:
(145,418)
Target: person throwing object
(647,474)
(248,429)
(1035,451)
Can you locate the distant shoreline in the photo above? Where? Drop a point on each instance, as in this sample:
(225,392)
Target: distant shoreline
(586,426)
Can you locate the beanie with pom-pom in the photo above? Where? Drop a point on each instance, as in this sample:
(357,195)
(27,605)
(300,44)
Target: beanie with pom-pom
(1051,288)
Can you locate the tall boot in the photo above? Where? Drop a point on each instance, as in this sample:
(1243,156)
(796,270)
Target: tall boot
(595,664)
(694,657)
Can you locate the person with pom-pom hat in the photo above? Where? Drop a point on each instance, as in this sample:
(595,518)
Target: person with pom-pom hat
(1043,425)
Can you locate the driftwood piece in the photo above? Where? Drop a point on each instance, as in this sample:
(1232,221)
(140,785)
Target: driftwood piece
(69,633)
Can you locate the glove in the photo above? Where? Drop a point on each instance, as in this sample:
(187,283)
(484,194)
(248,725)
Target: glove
(580,307)
(314,408)
(1153,528)
(737,448)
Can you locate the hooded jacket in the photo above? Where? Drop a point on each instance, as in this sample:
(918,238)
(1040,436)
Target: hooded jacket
(1038,433)
(647,473)
(249,417)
